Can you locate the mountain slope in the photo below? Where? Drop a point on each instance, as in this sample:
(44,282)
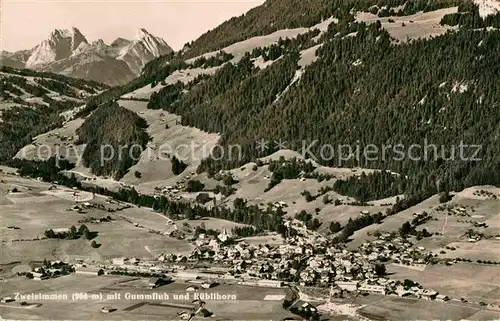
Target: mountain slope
(354,84)
(31,103)
(364,89)
(91,65)
(274,15)
(15,59)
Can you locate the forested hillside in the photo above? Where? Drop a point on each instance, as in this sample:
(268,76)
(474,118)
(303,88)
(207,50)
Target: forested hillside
(365,90)
(110,134)
(31,103)
(274,15)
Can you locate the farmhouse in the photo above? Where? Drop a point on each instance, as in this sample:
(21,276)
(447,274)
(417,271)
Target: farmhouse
(89,271)
(307,307)
(118,261)
(107,309)
(7,299)
(427,294)
(39,276)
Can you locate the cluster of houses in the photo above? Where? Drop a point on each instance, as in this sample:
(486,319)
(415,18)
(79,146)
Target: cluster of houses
(309,260)
(306,259)
(79,208)
(175,190)
(50,270)
(454,209)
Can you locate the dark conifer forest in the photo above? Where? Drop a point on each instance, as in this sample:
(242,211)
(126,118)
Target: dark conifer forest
(114,138)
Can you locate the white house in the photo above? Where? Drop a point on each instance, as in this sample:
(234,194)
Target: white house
(375,289)
(347,285)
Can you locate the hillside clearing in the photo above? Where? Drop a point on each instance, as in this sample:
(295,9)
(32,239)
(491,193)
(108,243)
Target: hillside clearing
(419,25)
(240,48)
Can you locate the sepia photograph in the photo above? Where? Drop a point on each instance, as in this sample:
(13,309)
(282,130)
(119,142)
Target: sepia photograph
(227,160)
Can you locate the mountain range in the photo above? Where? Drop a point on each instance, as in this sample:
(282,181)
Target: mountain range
(355,72)
(68,52)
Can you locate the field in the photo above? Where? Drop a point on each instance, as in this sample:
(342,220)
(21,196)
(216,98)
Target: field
(211,223)
(486,250)
(51,144)
(188,143)
(238,49)
(246,302)
(184,75)
(473,281)
(452,227)
(34,209)
(251,185)
(391,308)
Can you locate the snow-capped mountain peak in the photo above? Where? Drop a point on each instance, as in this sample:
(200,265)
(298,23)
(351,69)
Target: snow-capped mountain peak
(141,34)
(60,45)
(143,48)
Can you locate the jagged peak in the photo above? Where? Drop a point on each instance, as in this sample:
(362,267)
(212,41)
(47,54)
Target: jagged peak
(120,42)
(66,33)
(61,33)
(141,34)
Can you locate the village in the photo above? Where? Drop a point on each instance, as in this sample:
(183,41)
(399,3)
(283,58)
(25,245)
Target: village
(306,260)
(300,269)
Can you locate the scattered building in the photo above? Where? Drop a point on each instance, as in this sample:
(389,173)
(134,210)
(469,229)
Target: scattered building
(89,271)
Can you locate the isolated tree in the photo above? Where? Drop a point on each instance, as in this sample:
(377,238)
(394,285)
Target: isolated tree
(335,227)
(239,203)
(82,229)
(50,234)
(87,234)
(203,198)
(73,233)
(307,195)
(405,228)
(444,197)
(228,179)
(407,283)
(380,269)
(177,166)
(195,186)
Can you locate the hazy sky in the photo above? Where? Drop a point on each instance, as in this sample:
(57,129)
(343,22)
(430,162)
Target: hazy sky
(25,23)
